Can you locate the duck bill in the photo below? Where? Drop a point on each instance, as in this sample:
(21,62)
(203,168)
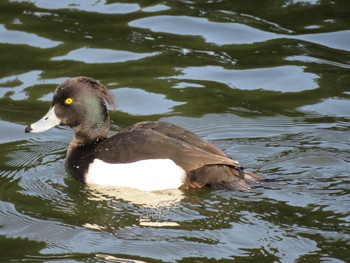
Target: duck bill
(47,122)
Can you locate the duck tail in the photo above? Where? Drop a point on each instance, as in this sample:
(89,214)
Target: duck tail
(244,183)
(222,177)
(252,178)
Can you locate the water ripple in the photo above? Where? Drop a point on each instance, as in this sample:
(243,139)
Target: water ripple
(20,37)
(94,55)
(276,79)
(269,84)
(213,32)
(86,5)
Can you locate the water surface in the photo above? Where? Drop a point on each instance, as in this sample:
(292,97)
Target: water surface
(266,81)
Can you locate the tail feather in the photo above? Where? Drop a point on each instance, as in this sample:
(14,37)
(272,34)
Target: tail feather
(252,178)
(223,177)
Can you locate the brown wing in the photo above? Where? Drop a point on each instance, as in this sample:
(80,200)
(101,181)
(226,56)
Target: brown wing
(151,140)
(178,133)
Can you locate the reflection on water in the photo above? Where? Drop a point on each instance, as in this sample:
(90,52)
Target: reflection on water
(276,79)
(86,5)
(213,32)
(233,33)
(19,37)
(152,199)
(140,102)
(96,55)
(266,81)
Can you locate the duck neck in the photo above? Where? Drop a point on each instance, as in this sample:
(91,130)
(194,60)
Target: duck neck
(91,133)
(87,139)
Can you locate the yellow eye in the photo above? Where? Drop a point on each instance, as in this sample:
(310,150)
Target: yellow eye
(68,101)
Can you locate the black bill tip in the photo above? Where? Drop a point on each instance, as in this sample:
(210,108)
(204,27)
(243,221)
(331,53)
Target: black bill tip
(28,129)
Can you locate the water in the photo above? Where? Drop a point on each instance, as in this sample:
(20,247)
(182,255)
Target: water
(266,81)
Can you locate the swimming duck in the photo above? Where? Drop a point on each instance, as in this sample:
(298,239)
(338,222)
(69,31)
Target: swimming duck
(147,155)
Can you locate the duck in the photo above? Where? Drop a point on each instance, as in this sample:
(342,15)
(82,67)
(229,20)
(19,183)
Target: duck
(148,155)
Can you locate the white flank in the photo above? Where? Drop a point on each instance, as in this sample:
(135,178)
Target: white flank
(147,175)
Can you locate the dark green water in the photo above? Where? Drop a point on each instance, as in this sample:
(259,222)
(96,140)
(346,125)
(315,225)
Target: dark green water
(267,81)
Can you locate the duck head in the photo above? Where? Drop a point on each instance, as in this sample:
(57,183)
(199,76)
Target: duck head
(80,103)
